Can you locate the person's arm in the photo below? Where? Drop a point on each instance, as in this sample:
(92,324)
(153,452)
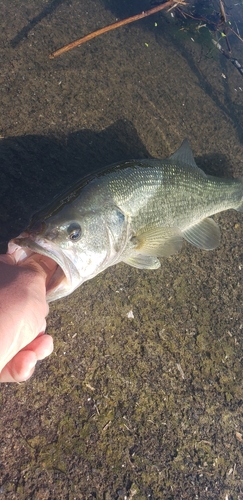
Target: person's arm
(23,309)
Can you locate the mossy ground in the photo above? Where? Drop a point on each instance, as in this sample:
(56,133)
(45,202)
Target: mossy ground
(149,406)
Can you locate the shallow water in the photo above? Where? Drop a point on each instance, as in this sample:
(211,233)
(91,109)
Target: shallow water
(149,406)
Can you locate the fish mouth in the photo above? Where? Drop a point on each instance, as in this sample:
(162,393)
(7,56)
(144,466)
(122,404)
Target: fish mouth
(64,279)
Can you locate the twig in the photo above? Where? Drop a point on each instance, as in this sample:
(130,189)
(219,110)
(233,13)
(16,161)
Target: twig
(224,21)
(222,12)
(234,61)
(236,34)
(75,43)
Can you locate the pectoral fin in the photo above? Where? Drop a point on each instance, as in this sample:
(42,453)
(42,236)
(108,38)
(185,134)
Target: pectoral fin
(205,234)
(159,242)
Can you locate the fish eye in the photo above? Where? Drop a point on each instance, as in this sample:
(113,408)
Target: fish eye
(74,231)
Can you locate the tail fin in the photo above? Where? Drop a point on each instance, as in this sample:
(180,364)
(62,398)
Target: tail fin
(240,207)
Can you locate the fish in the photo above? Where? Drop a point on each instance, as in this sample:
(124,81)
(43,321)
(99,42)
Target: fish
(135,211)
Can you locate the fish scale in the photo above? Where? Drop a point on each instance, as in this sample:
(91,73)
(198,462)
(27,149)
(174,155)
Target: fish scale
(171,194)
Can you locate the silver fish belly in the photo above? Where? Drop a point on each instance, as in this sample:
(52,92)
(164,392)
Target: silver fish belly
(132,212)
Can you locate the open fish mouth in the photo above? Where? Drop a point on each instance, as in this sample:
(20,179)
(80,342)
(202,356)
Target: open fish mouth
(65,276)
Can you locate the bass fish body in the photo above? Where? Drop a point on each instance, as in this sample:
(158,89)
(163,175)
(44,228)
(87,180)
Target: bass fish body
(132,212)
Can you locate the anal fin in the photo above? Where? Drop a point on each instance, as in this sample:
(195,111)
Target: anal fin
(205,234)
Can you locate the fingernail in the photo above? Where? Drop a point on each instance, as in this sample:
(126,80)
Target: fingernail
(28,373)
(32,365)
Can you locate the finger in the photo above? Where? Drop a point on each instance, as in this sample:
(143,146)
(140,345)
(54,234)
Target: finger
(41,264)
(41,345)
(22,366)
(7,259)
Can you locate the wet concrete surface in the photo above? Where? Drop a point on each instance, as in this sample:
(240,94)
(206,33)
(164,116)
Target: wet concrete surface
(148,404)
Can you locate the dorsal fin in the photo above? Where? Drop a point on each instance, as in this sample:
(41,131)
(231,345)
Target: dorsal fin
(184,154)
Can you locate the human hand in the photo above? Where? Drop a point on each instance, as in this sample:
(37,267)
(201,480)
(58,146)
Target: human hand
(23,309)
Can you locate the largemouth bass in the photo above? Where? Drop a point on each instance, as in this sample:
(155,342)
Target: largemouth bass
(133,212)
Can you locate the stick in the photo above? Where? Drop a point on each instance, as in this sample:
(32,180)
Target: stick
(222,12)
(170,3)
(234,61)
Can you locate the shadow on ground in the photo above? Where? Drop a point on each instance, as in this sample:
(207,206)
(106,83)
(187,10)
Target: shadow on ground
(36,168)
